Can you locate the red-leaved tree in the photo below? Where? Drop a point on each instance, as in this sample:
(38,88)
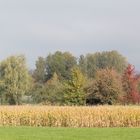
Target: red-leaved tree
(130,84)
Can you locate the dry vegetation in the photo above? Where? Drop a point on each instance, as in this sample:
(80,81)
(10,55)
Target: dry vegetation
(101,116)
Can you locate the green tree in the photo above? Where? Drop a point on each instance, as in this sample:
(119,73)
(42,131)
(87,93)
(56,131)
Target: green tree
(15,78)
(106,88)
(83,64)
(74,89)
(49,93)
(61,64)
(2,92)
(97,61)
(40,71)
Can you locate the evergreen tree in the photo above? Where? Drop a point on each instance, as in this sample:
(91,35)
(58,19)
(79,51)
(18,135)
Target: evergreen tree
(74,92)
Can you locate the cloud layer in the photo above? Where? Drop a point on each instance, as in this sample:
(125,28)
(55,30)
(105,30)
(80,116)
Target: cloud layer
(37,27)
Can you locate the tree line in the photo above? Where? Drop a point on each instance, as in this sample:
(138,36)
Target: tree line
(62,79)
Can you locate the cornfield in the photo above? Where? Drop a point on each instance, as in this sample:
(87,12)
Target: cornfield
(46,116)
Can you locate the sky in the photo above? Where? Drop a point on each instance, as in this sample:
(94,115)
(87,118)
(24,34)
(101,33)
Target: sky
(39,27)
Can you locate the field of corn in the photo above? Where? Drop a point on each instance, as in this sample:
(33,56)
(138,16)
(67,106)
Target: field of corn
(100,116)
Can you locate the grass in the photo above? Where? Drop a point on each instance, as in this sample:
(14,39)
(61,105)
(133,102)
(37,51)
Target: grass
(32,133)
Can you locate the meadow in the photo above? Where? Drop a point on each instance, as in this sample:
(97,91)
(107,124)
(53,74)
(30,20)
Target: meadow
(74,117)
(36,133)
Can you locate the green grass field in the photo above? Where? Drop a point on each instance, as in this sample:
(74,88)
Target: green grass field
(29,133)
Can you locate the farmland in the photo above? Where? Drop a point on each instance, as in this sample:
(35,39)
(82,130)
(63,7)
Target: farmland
(47,116)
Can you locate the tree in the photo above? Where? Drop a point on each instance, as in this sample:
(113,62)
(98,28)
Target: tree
(74,89)
(61,64)
(130,85)
(106,88)
(103,60)
(40,73)
(49,93)
(15,78)
(83,64)
(2,92)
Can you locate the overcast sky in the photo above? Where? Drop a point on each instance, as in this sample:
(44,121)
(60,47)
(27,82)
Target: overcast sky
(38,27)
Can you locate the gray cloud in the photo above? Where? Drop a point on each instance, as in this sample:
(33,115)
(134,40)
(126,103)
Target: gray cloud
(37,27)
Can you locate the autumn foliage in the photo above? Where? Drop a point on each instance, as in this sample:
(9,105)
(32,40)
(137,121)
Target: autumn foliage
(130,85)
(62,79)
(106,89)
